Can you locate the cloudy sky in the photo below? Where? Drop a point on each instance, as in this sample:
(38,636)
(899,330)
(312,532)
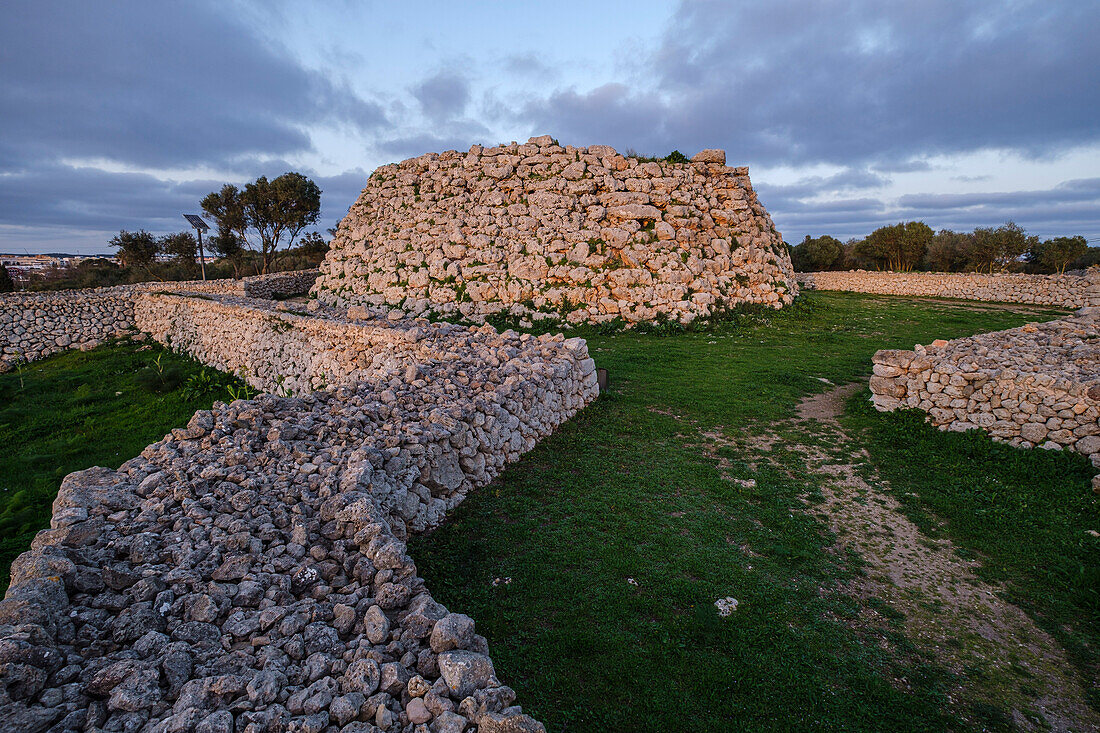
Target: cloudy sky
(851,115)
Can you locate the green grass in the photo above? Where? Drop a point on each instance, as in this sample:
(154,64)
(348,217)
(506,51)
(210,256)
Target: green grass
(1026,514)
(80,409)
(624,490)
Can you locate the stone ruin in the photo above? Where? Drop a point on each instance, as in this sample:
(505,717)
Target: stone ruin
(249,571)
(1036,386)
(1061,291)
(35,325)
(541,230)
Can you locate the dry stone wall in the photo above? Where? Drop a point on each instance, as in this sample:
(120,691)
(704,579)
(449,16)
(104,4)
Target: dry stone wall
(249,572)
(35,325)
(1063,291)
(295,282)
(1033,386)
(540,229)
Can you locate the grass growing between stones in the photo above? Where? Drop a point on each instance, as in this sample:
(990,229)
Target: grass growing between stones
(80,409)
(1030,517)
(594,563)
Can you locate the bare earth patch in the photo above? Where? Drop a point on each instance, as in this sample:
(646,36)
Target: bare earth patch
(996,651)
(1000,658)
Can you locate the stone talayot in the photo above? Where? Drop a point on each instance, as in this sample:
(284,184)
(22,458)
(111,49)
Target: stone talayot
(548,231)
(1033,386)
(249,571)
(1063,291)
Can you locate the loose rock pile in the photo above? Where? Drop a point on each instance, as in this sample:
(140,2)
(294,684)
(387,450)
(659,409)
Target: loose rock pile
(542,230)
(249,571)
(35,325)
(1064,291)
(1033,386)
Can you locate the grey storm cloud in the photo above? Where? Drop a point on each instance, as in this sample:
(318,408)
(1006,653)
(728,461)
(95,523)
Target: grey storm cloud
(846,180)
(155,84)
(97,201)
(90,198)
(443,95)
(803,81)
(1082,189)
(451,135)
(1070,206)
(878,89)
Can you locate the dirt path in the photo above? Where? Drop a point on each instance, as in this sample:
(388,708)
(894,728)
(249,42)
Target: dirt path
(1000,657)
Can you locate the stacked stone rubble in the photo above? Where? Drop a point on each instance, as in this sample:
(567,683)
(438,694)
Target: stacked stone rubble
(1033,386)
(539,229)
(35,325)
(249,571)
(1064,291)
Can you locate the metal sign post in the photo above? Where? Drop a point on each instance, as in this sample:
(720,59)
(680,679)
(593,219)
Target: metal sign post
(200,227)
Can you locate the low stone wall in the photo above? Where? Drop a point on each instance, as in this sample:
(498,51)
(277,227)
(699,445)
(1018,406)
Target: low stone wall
(249,571)
(277,284)
(1033,386)
(544,230)
(35,325)
(1063,291)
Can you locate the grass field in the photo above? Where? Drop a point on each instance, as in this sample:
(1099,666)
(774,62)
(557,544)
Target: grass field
(613,539)
(594,563)
(80,409)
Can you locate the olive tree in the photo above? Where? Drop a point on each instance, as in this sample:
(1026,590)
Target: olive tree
(1054,254)
(996,249)
(135,249)
(948,251)
(266,215)
(181,247)
(814,255)
(899,247)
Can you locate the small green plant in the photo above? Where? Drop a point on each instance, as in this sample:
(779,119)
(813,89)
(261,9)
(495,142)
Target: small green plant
(160,377)
(243,391)
(20,366)
(278,325)
(280,386)
(200,384)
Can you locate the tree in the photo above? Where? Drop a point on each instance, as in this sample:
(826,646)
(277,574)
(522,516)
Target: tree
(7,285)
(868,253)
(899,247)
(814,255)
(996,249)
(313,244)
(181,247)
(227,245)
(1054,254)
(265,212)
(135,249)
(948,251)
(1090,258)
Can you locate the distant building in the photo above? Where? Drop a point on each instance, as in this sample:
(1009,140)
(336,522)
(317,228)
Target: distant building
(24,268)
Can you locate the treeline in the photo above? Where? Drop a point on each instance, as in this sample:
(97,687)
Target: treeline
(913,245)
(100,273)
(256,228)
